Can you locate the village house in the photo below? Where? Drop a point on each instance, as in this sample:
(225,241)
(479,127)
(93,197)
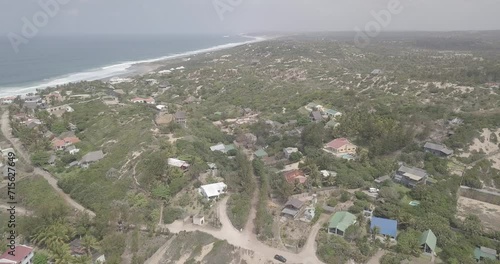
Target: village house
(178,163)
(23,255)
(289,151)
(149,100)
(198,220)
(482,253)
(292,208)
(61,144)
(428,242)
(437,149)
(386,227)
(316,116)
(382,179)
(213,191)
(52,160)
(314,107)
(339,223)
(261,153)
(180,118)
(33,98)
(7,100)
(410,177)
(72,150)
(223,148)
(332,113)
(341,146)
(295,176)
(53,97)
(90,158)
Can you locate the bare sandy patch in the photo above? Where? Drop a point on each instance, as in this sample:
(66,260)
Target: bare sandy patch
(488,213)
(204,251)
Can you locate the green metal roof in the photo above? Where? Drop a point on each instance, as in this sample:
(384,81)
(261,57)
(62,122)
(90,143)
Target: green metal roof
(260,153)
(342,220)
(229,147)
(331,111)
(429,238)
(484,252)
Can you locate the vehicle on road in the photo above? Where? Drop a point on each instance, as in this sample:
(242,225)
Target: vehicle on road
(280,258)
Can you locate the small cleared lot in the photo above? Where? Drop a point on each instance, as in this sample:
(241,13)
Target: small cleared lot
(488,213)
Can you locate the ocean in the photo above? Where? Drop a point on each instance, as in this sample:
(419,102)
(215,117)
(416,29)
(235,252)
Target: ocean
(54,60)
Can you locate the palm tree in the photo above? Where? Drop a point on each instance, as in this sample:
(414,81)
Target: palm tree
(89,242)
(375,231)
(53,235)
(61,254)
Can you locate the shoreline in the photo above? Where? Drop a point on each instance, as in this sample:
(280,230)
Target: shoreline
(123,69)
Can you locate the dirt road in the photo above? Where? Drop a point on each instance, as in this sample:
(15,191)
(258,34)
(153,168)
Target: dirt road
(6,130)
(249,241)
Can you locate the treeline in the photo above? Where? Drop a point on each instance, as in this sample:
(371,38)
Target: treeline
(263,220)
(242,185)
(381,134)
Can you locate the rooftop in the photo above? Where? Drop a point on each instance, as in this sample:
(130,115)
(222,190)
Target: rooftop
(295,203)
(438,147)
(214,189)
(92,156)
(429,239)
(387,227)
(413,173)
(338,143)
(342,220)
(21,252)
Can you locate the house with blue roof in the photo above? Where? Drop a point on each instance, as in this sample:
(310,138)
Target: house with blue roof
(386,227)
(333,113)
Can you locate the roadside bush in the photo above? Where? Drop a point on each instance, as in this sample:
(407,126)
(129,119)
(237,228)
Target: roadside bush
(170,214)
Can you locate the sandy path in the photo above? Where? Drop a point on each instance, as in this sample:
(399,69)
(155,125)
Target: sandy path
(6,130)
(250,242)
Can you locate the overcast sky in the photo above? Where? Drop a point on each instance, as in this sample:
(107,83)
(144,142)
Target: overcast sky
(247,16)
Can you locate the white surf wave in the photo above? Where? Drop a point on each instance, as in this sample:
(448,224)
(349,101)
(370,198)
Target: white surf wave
(112,70)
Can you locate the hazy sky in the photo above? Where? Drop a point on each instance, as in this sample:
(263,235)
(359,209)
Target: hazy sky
(196,16)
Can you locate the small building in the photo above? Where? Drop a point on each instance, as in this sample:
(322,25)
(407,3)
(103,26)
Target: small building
(386,227)
(428,242)
(437,149)
(333,113)
(292,208)
(213,191)
(149,100)
(382,179)
(91,157)
(22,255)
(198,220)
(294,176)
(178,163)
(410,177)
(76,248)
(340,221)
(316,116)
(327,173)
(376,72)
(7,100)
(289,151)
(341,146)
(222,148)
(52,160)
(180,118)
(261,153)
(72,150)
(481,253)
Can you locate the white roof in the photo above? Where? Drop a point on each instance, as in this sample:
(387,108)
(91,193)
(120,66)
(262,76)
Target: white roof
(218,147)
(177,163)
(214,189)
(291,150)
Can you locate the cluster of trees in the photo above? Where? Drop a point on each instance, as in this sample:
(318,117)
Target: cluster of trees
(242,185)
(263,220)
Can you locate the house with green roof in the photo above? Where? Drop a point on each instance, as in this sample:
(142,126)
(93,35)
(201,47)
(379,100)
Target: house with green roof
(340,221)
(261,153)
(332,113)
(481,253)
(428,242)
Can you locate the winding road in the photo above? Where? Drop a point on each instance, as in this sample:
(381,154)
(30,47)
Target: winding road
(6,130)
(248,240)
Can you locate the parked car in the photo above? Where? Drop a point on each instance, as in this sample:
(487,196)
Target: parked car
(280,258)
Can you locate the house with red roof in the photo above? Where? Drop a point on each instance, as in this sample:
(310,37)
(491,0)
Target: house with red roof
(341,146)
(295,176)
(21,255)
(61,144)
